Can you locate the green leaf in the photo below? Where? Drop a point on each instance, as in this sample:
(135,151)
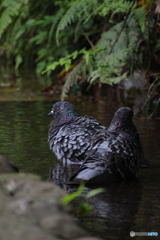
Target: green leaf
(10,9)
(40,66)
(70,16)
(69,198)
(140,14)
(94,192)
(85,207)
(18,61)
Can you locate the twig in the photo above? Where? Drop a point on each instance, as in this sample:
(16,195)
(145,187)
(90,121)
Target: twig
(118,35)
(89,40)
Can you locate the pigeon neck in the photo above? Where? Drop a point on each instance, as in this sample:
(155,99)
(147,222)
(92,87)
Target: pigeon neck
(122,126)
(63,120)
(114,126)
(71,113)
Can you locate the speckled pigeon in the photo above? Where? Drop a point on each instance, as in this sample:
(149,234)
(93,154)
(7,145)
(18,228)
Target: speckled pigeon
(70,133)
(115,154)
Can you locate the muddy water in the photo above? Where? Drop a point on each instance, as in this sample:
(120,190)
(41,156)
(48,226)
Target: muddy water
(123,207)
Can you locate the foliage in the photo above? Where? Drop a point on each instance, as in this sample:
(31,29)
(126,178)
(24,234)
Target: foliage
(95,40)
(11,8)
(70,197)
(27,33)
(84,206)
(117,52)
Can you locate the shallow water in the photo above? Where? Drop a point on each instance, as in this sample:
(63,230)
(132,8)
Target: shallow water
(123,207)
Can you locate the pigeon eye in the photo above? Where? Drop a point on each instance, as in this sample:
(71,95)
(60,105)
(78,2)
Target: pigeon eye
(58,109)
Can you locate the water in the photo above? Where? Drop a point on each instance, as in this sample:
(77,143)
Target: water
(23,134)
(123,207)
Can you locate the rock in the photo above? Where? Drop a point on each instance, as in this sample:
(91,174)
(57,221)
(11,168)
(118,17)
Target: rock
(6,166)
(31,210)
(62,225)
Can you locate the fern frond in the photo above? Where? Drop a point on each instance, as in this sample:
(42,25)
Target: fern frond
(94,76)
(140,15)
(109,70)
(10,9)
(70,16)
(71,79)
(56,19)
(65,61)
(119,6)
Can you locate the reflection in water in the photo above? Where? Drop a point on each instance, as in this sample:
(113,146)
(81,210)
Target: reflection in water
(61,174)
(123,207)
(113,210)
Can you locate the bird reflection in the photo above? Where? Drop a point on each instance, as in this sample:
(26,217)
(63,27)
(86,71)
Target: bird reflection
(114,209)
(60,174)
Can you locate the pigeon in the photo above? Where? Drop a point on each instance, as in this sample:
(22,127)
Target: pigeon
(115,153)
(70,133)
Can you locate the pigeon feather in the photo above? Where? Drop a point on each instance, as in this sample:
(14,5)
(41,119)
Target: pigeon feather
(70,133)
(115,154)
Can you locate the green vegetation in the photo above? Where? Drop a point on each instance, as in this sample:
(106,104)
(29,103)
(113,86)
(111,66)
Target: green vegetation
(93,40)
(84,207)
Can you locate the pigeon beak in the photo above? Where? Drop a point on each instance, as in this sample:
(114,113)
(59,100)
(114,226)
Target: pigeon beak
(51,113)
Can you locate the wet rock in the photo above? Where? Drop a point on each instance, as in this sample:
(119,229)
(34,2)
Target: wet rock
(6,166)
(135,91)
(135,80)
(31,210)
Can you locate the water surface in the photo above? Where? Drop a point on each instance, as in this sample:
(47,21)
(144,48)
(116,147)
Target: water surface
(123,207)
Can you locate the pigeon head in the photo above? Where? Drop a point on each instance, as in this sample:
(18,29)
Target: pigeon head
(63,109)
(122,120)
